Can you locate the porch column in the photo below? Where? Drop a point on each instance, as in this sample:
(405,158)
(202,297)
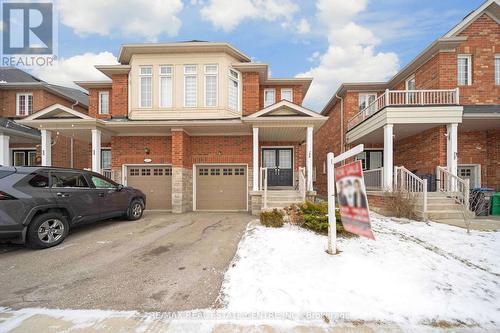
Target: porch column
(96,150)
(451,148)
(256,170)
(46,147)
(4,150)
(388,158)
(309,157)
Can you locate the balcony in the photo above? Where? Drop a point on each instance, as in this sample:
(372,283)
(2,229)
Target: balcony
(397,98)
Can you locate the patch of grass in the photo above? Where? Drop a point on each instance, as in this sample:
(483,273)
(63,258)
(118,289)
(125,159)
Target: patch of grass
(272,218)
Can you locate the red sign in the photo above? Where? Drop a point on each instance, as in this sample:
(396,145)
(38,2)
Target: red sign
(353,202)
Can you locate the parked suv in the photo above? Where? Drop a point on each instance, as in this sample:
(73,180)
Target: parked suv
(38,205)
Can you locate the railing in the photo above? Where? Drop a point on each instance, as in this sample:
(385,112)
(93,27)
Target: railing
(406,98)
(454,186)
(302,183)
(263,186)
(374,179)
(408,182)
(107,173)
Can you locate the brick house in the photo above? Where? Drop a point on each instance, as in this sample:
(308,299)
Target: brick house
(196,126)
(438,117)
(21,95)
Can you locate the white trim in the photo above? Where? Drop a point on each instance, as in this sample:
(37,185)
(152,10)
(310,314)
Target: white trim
(496,69)
(161,76)
(195,173)
(477,171)
(196,86)
(364,94)
(408,79)
(26,94)
(103,92)
(469,19)
(291,94)
(261,158)
(264,97)
(469,69)
(293,106)
(54,107)
(140,86)
(240,90)
(205,75)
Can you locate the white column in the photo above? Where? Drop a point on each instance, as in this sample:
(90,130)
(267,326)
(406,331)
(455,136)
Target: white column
(388,157)
(309,158)
(451,148)
(96,150)
(256,170)
(46,147)
(4,150)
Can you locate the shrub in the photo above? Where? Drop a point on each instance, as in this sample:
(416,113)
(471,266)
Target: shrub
(403,204)
(272,218)
(316,218)
(294,215)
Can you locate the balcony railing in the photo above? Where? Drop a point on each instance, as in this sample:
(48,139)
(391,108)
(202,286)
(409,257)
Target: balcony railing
(406,98)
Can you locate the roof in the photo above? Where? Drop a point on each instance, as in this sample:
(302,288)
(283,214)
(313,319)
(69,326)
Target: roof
(127,50)
(11,77)
(12,125)
(490,109)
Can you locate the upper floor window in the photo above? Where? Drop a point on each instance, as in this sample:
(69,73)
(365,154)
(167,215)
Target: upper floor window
(190,82)
(269,97)
(234,89)
(365,100)
(166,93)
(24,104)
(103,102)
(410,83)
(497,69)
(464,67)
(287,94)
(211,84)
(146,86)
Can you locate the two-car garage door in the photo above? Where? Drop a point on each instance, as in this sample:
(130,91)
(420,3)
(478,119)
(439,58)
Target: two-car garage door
(221,187)
(155,182)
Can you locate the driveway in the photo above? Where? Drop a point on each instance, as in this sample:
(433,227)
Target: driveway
(163,262)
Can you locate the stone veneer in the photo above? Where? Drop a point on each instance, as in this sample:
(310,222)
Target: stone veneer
(182,190)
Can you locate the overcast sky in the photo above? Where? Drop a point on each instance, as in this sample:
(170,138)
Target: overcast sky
(333,41)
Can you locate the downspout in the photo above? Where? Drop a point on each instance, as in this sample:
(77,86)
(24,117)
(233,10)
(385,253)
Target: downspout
(342,148)
(72,140)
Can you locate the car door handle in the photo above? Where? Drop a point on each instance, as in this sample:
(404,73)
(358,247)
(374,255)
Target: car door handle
(62,195)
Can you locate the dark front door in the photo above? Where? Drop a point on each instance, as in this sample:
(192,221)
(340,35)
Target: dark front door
(279,164)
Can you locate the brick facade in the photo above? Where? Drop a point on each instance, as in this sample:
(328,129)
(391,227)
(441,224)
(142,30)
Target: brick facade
(119,96)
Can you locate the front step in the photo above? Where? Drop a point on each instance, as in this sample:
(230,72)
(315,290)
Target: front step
(445,214)
(282,198)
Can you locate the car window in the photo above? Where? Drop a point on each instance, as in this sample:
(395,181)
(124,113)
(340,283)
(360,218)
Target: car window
(101,182)
(68,179)
(40,179)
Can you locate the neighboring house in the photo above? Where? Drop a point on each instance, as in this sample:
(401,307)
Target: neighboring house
(192,124)
(21,95)
(438,117)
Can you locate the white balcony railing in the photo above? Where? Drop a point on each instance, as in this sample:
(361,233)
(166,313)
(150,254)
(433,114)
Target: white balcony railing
(263,186)
(406,98)
(374,179)
(409,183)
(107,173)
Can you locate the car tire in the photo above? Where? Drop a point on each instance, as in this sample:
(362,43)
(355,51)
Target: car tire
(47,230)
(135,210)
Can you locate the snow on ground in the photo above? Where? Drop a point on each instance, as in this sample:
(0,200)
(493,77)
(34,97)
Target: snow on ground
(413,273)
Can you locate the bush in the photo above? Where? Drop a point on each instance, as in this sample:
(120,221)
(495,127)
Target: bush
(272,218)
(316,218)
(403,204)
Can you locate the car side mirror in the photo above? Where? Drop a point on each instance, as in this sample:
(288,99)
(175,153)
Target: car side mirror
(119,187)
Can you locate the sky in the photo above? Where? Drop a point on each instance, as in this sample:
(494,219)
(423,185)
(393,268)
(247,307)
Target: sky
(333,41)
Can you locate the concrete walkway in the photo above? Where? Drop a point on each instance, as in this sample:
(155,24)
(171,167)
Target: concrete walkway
(481,223)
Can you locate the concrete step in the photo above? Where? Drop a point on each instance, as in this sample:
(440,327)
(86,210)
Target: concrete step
(443,206)
(445,214)
(281,204)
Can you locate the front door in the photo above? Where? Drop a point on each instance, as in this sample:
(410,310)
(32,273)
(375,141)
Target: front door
(279,164)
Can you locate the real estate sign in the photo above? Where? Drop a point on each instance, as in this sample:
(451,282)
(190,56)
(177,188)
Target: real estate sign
(353,202)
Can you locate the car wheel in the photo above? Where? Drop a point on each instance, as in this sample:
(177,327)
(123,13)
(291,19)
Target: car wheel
(135,210)
(47,230)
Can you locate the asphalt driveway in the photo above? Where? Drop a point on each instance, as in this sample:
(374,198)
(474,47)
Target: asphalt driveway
(163,262)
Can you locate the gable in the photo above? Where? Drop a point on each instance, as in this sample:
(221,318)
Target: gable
(58,111)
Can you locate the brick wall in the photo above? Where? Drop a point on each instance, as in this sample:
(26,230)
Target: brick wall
(297,93)
(493,162)
(130,150)
(222,149)
(94,102)
(181,149)
(250,102)
(119,95)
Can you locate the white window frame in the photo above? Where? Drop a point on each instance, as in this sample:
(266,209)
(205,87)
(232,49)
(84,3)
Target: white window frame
(101,93)
(367,96)
(266,104)
(216,74)
(288,90)
(497,69)
(141,75)
(236,79)
(408,80)
(195,74)
(27,112)
(469,69)
(160,77)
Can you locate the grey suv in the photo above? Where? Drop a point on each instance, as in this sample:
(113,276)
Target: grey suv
(38,205)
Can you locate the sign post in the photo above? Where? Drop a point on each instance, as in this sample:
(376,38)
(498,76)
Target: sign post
(332,220)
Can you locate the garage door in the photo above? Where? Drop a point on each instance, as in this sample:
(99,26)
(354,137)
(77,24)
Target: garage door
(221,187)
(155,182)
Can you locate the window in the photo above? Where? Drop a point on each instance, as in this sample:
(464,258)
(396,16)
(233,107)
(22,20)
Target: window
(39,179)
(287,94)
(366,99)
(410,84)
(497,69)
(203,172)
(214,172)
(234,90)
(269,97)
(464,67)
(146,86)
(227,172)
(106,159)
(134,172)
(239,172)
(145,172)
(190,82)
(211,83)
(68,179)
(103,102)
(100,182)
(370,159)
(23,157)
(24,104)
(166,86)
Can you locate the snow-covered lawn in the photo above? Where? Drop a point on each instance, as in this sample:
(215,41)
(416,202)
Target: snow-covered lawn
(414,273)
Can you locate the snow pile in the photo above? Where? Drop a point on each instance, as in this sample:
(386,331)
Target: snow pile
(413,273)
